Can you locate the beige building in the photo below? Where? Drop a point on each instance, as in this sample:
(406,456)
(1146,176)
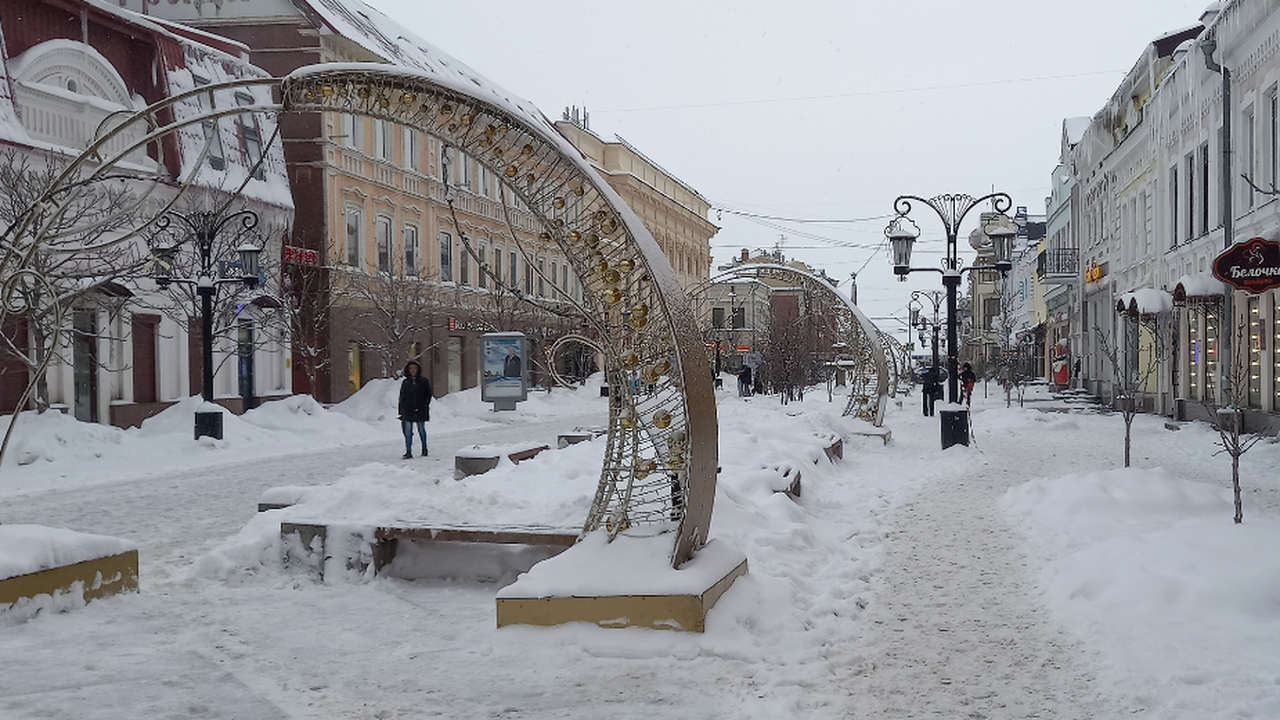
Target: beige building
(674,213)
(381,267)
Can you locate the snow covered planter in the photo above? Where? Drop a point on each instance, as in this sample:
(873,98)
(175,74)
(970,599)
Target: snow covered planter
(52,568)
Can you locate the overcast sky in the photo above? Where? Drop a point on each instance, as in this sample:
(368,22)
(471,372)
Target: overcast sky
(817,109)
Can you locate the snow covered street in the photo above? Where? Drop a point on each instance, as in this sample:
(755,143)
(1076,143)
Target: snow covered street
(1024,576)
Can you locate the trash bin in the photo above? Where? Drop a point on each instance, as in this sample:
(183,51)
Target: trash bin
(210,424)
(955,428)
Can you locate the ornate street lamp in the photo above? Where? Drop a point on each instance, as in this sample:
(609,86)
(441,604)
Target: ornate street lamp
(203,227)
(902,234)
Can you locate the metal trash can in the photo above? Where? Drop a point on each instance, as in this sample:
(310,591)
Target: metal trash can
(955,428)
(210,424)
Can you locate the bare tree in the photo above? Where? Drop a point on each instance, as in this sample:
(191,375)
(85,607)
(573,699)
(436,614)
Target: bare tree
(1228,418)
(390,310)
(1134,369)
(309,312)
(69,262)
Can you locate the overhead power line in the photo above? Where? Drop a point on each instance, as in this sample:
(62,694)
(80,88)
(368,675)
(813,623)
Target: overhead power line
(861,93)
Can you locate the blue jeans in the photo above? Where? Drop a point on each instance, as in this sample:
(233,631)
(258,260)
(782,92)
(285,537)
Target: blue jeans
(406,426)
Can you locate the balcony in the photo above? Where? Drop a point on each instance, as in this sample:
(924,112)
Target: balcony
(1058,264)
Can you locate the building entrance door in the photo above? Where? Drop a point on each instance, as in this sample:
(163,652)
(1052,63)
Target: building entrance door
(84,362)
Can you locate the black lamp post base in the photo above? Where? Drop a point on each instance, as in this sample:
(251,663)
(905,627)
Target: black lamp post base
(955,428)
(209,424)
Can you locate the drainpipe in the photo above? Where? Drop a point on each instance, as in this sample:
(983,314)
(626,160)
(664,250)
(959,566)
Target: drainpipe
(1208,46)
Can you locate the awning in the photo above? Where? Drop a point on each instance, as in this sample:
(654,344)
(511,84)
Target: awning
(1144,301)
(1198,286)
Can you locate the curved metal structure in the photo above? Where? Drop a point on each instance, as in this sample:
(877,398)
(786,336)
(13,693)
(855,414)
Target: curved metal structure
(659,471)
(870,388)
(561,342)
(899,360)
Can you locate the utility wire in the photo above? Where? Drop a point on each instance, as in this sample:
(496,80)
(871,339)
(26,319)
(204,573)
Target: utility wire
(861,93)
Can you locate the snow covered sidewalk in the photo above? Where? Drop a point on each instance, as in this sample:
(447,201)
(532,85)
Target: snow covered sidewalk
(958,625)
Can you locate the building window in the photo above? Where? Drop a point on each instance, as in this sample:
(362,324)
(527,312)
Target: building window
(382,140)
(1173,206)
(528,278)
(513,270)
(410,250)
(446,257)
(564,278)
(485,182)
(212,137)
(412,153)
(739,318)
(446,164)
(351,125)
(464,171)
(1275,352)
(355,223)
(251,138)
(1191,196)
(1255,351)
(1204,189)
(1273,136)
(482,271)
(497,268)
(542,286)
(464,266)
(382,242)
(1250,157)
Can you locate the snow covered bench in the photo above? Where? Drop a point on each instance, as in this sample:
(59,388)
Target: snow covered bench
(43,567)
(424,550)
(479,459)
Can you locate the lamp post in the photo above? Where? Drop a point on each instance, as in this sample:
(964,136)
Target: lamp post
(902,233)
(203,227)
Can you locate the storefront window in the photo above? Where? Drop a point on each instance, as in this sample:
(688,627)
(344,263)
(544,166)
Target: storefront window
(1255,352)
(1275,351)
(1193,355)
(1210,352)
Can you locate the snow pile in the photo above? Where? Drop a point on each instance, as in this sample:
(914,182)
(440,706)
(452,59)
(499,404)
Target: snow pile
(1149,565)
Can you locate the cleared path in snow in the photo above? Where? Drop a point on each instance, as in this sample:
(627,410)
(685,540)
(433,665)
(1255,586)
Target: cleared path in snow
(957,627)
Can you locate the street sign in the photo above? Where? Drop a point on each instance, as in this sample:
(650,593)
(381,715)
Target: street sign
(300,256)
(1252,266)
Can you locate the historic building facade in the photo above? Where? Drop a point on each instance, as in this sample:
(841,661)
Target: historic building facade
(405,248)
(125,349)
(1156,186)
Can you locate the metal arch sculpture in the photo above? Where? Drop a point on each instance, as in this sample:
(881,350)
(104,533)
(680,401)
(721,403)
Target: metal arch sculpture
(870,389)
(895,353)
(561,342)
(659,472)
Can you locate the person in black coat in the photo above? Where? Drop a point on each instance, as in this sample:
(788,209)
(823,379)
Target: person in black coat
(967,381)
(414,407)
(930,390)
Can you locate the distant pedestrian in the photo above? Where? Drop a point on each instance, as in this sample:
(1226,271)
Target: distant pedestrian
(414,407)
(744,381)
(930,390)
(967,380)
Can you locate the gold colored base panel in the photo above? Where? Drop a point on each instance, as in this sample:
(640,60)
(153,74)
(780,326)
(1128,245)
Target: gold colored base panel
(100,578)
(684,611)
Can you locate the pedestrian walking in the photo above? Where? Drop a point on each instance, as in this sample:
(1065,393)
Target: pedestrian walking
(967,381)
(414,407)
(930,390)
(744,381)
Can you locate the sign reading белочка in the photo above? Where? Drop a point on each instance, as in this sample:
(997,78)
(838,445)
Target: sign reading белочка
(1252,266)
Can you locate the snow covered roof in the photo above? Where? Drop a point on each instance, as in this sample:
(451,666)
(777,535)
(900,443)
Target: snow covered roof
(1146,301)
(1198,285)
(1073,128)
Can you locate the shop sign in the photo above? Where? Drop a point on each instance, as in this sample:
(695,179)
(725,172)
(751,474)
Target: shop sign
(1094,272)
(301,256)
(1252,266)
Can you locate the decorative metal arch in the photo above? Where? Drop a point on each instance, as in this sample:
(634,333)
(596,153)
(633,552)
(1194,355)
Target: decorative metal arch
(564,341)
(869,391)
(659,471)
(899,360)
